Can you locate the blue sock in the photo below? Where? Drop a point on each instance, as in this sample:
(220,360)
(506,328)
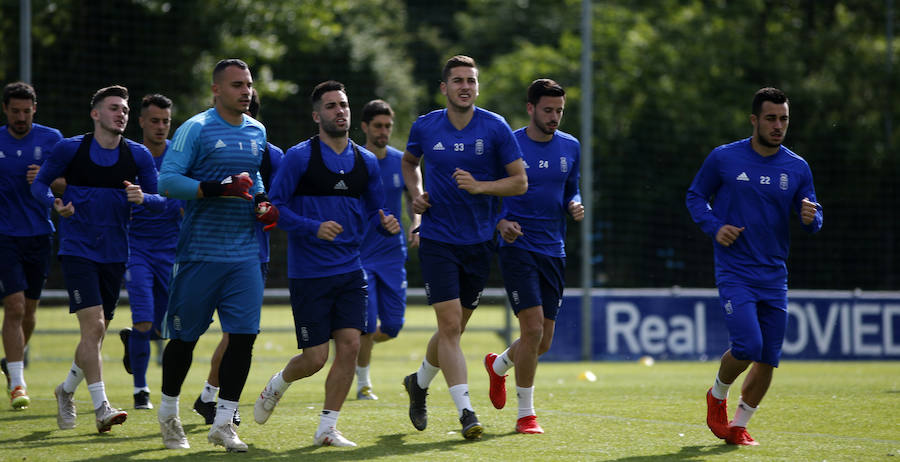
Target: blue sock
(139,350)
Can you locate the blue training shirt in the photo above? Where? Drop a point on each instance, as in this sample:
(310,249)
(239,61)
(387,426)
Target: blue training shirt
(98,231)
(483,148)
(300,215)
(207,148)
(275,156)
(379,250)
(756,192)
(153,236)
(23,215)
(553,171)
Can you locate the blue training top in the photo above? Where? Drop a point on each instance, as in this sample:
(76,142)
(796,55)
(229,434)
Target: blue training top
(22,214)
(207,148)
(275,156)
(378,250)
(553,171)
(483,148)
(153,236)
(98,230)
(756,192)
(301,215)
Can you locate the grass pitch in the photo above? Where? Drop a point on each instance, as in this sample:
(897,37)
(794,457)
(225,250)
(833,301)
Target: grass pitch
(631,412)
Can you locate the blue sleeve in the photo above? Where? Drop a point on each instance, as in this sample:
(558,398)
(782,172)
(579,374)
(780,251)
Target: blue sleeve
(572,192)
(283,186)
(807,190)
(56,164)
(414,144)
(147,178)
(705,184)
(179,157)
(509,146)
(275,157)
(374,197)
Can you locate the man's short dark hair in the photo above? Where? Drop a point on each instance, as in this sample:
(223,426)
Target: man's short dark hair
(544,87)
(19,90)
(374,108)
(767,94)
(115,90)
(224,64)
(157,100)
(329,85)
(457,61)
(253,109)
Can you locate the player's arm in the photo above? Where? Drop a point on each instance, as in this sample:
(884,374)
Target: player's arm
(705,184)
(384,220)
(571,193)
(412,233)
(284,183)
(809,209)
(145,191)
(514,184)
(54,166)
(412,177)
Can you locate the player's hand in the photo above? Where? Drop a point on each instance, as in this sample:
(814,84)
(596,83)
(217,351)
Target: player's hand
(32,172)
(420,204)
(133,193)
(466,182)
(328,230)
(576,209)
(509,230)
(64,211)
(389,222)
(808,210)
(412,237)
(266,213)
(727,234)
(231,186)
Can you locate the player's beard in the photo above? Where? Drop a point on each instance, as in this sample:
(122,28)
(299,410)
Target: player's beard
(545,128)
(765,141)
(333,130)
(20,129)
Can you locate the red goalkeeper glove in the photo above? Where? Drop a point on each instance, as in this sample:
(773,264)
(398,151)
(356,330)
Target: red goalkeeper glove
(234,185)
(266,213)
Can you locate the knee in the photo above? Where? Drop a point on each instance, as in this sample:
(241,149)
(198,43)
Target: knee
(317,358)
(143,327)
(389,330)
(13,311)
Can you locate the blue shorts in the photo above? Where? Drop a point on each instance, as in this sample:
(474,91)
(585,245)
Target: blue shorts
(90,283)
(756,320)
(323,305)
(147,282)
(455,271)
(27,262)
(532,279)
(199,288)
(387,299)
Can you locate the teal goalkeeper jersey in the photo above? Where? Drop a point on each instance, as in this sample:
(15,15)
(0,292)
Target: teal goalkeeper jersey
(207,148)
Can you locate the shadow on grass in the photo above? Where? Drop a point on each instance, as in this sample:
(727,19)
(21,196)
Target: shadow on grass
(387,445)
(686,453)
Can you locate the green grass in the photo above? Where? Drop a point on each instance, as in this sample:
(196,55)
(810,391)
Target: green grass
(814,410)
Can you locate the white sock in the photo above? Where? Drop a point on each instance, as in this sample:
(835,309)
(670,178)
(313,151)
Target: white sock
(720,389)
(76,375)
(16,374)
(168,407)
(138,390)
(209,393)
(460,395)
(328,419)
(503,363)
(526,401)
(225,412)
(742,414)
(98,393)
(426,374)
(362,377)
(278,383)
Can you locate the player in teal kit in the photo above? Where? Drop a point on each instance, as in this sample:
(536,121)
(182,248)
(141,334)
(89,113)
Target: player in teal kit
(151,242)
(743,197)
(213,163)
(329,191)
(25,230)
(383,257)
(205,404)
(532,245)
(471,159)
(99,169)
